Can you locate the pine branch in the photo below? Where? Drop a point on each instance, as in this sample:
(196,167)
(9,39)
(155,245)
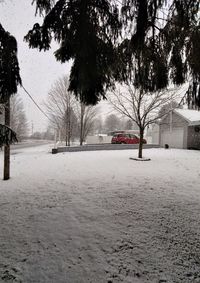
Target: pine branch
(7,136)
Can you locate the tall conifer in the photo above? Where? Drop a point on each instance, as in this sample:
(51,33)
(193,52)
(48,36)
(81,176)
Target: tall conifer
(86,31)
(9,78)
(160,43)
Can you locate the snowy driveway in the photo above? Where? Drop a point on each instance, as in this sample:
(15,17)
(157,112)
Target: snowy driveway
(99,217)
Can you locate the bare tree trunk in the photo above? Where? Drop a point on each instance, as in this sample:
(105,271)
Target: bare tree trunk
(7,147)
(66,137)
(81,125)
(69,136)
(66,129)
(141,143)
(68,126)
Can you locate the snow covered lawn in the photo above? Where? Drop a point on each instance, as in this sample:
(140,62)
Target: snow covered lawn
(100,217)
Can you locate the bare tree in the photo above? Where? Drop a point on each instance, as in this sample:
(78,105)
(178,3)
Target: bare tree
(141,107)
(165,109)
(68,115)
(112,123)
(129,124)
(60,104)
(86,117)
(18,120)
(98,126)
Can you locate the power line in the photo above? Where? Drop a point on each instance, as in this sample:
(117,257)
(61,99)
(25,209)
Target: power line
(41,110)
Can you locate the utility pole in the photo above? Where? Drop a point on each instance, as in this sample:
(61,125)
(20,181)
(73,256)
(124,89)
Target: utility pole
(171,117)
(31,127)
(7,147)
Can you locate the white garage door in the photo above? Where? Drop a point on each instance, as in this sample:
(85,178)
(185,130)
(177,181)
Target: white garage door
(173,138)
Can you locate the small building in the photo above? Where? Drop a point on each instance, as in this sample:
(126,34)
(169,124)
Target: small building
(152,133)
(180,129)
(98,139)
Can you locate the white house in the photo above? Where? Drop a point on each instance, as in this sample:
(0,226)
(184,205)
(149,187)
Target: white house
(180,129)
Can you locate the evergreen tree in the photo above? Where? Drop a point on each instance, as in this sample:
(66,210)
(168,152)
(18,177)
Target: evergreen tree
(86,31)
(9,78)
(7,136)
(160,44)
(9,67)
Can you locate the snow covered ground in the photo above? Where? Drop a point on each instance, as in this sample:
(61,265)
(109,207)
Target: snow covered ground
(99,217)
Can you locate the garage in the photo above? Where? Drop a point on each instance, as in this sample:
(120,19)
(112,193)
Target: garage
(173,138)
(180,129)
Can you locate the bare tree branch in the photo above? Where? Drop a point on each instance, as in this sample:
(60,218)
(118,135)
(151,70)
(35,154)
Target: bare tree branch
(142,108)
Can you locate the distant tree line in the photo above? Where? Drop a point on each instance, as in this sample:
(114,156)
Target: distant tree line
(115,122)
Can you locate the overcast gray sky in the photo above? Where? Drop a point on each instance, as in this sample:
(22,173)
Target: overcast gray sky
(39,70)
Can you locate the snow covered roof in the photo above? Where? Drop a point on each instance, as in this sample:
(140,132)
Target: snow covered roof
(192,116)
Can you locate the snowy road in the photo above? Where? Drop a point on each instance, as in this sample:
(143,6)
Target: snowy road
(100,217)
(22,145)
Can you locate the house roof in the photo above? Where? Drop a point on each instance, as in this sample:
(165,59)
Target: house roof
(192,116)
